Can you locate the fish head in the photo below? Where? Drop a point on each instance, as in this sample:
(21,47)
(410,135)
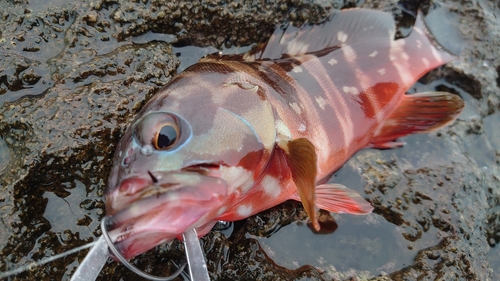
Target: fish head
(189,154)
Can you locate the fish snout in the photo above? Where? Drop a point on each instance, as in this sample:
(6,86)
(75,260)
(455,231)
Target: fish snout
(133,185)
(146,212)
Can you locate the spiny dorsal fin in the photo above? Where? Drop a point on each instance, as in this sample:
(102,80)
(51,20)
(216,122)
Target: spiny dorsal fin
(422,112)
(301,158)
(342,27)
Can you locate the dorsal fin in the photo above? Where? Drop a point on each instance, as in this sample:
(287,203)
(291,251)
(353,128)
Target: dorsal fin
(341,27)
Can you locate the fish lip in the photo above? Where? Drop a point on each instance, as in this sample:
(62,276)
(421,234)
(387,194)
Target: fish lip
(134,187)
(156,214)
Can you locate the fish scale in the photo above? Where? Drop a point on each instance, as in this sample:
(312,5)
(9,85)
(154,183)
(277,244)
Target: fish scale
(257,129)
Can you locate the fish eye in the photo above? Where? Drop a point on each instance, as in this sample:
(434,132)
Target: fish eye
(166,136)
(162,131)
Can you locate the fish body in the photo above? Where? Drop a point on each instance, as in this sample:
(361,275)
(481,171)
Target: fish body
(232,136)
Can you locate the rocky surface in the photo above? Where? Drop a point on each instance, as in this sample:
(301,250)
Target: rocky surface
(74,73)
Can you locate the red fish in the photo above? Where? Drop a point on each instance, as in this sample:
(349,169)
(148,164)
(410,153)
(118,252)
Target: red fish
(232,136)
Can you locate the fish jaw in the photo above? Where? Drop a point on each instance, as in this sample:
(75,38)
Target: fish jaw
(145,213)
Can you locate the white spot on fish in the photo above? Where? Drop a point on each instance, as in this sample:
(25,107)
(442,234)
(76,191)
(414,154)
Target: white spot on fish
(381,71)
(350,90)
(426,62)
(332,61)
(402,66)
(342,37)
(321,102)
(302,128)
(244,210)
(237,177)
(222,210)
(271,186)
(297,69)
(419,44)
(372,55)
(349,53)
(405,56)
(282,129)
(296,107)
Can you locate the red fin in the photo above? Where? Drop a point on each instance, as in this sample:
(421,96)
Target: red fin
(301,158)
(340,199)
(337,198)
(421,112)
(346,26)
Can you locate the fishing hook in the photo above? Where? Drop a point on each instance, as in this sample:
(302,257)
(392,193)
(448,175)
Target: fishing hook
(127,264)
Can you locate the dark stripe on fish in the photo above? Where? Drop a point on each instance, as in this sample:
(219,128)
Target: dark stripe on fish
(275,76)
(220,67)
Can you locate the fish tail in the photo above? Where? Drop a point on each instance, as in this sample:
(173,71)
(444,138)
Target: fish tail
(418,113)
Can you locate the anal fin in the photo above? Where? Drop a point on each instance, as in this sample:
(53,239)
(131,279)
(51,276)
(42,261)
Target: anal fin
(421,112)
(337,198)
(386,145)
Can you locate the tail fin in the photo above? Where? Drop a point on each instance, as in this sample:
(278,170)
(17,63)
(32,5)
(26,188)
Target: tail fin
(421,112)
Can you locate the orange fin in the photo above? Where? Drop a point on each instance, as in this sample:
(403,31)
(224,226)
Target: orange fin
(337,198)
(417,113)
(301,158)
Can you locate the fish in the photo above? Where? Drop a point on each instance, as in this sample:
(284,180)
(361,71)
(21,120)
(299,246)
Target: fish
(234,135)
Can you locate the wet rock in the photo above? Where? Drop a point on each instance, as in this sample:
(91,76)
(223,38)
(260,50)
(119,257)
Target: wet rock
(445,200)
(73,75)
(62,140)
(214,23)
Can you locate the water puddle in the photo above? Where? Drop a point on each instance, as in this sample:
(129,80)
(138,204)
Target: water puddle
(5,155)
(43,5)
(367,244)
(187,55)
(439,21)
(65,208)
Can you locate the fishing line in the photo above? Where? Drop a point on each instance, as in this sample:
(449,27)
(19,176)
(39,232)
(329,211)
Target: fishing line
(44,261)
(132,268)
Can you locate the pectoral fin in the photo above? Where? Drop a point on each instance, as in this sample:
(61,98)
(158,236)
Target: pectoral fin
(301,158)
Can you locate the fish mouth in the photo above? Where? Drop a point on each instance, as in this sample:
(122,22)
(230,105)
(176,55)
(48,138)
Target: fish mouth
(146,211)
(133,188)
